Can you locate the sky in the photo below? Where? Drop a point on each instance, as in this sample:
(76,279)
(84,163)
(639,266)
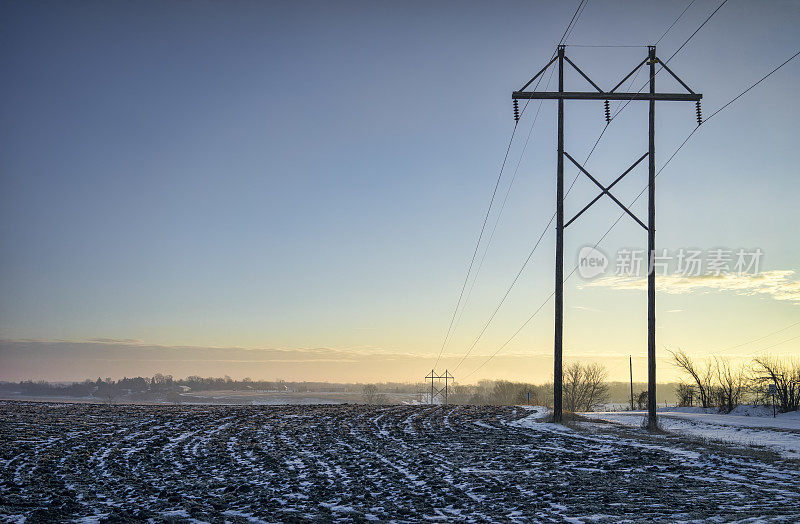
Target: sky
(295,189)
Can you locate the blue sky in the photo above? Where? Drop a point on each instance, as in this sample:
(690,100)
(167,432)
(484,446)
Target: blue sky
(314,175)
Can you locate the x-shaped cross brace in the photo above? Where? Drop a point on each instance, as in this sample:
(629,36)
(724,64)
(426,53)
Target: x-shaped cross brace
(439,391)
(605,190)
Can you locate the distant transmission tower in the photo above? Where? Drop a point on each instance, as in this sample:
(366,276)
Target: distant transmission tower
(437,390)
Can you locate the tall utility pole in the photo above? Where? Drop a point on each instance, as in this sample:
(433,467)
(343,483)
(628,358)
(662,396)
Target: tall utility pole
(559,318)
(561,95)
(651,249)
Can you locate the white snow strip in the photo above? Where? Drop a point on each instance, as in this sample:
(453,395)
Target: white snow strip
(780,434)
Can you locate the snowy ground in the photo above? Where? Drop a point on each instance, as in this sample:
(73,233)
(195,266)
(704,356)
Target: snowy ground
(752,427)
(357,463)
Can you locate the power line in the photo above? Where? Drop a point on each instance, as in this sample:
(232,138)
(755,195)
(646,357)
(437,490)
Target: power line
(566,36)
(573,20)
(477,245)
(621,105)
(538,241)
(551,296)
(513,177)
(585,45)
(755,339)
(511,338)
(673,54)
(505,199)
(752,86)
(737,97)
(774,345)
(675,22)
(712,115)
(502,301)
(614,224)
(697,30)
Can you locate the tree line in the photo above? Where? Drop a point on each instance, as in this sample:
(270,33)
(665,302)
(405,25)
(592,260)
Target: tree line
(584,389)
(710,383)
(717,383)
(165,384)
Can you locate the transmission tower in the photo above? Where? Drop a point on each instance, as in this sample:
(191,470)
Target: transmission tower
(437,390)
(652,97)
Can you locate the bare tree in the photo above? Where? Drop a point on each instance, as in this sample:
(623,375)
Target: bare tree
(641,400)
(572,386)
(731,384)
(703,378)
(785,374)
(686,394)
(109,395)
(106,391)
(584,386)
(549,395)
(371,394)
(370,391)
(597,389)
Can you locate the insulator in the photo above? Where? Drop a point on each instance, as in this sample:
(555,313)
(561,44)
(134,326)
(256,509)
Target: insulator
(516,110)
(699,113)
(608,112)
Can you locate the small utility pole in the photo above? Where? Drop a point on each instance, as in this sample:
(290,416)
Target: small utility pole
(630,365)
(652,96)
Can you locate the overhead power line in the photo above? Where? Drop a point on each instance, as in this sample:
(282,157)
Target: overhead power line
(614,224)
(564,38)
(740,95)
(675,22)
(640,45)
(621,104)
(572,21)
(477,245)
(567,33)
(603,46)
(731,348)
(697,30)
(774,345)
(544,231)
(685,42)
(503,203)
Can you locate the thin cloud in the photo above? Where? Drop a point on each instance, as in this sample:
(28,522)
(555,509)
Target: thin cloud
(778,284)
(116,341)
(584,308)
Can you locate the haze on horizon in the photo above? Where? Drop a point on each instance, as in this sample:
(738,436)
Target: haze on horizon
(294,190)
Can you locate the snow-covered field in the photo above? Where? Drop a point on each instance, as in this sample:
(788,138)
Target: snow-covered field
(745,426)
(355,463)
